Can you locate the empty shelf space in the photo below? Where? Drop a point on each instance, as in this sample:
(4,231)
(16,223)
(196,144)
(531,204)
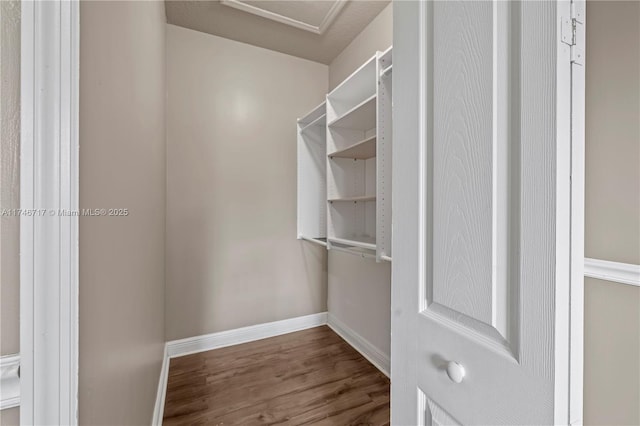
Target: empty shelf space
(318,123)
(359,85)
(312,115)
(362,242)
(354,199)
(362,150)
(360,117)
(357,251)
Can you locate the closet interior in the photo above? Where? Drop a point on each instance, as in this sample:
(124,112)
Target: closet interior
(243,181)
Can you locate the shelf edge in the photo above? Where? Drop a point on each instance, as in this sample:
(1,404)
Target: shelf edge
(352,110)
(362,142)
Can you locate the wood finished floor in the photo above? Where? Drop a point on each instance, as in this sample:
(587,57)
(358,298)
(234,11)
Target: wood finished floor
(310,377)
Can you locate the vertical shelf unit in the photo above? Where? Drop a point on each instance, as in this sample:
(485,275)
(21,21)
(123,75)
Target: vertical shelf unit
(312,172)
(344,164)
(358,142)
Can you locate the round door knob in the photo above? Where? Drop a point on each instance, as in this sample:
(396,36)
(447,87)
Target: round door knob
(455,371)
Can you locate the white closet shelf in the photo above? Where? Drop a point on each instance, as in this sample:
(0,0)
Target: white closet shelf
(313,114)
(359,85)
(361,117)
(362,242)
(322,241)
(354,199)
(386,71)
(358,251)
(362,150)
(318,124)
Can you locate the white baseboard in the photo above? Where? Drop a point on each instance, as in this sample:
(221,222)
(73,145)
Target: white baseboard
(237,336)
(623,273)
(9,381)
(376,357)
(158,409)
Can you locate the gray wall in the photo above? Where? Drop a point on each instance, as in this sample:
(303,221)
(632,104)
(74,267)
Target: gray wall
(9,185)
(613,131)
(232,255)
(611,353)
(612,311)
(122,165)
(378,35)
(360,289)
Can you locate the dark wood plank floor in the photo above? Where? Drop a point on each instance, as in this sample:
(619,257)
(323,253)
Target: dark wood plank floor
(310,377)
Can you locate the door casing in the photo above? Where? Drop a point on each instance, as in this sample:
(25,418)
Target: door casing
(49,178)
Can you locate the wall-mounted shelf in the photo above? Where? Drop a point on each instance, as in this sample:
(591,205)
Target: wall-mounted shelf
(360,85)
(355,124)
(312,176)
(362,242)
(360,117)
(362,150)
(321,241)
(316,125)
(354,199)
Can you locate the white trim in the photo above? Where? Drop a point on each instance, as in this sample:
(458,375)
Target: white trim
(576,330)
(623,273)
(409,202)
(49,177)
(254,10)
(9,381)
(207,342)
(158,409)
(331,15)
(374,355)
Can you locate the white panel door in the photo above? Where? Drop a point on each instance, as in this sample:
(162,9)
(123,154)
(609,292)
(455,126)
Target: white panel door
(483,209)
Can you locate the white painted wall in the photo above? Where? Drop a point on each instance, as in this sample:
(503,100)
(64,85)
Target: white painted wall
(232,257)
(360,289)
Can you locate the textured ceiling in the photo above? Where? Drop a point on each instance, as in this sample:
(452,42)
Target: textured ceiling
(215,18)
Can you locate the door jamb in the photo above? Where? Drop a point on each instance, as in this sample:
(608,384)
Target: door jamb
(576,320)
(49,185)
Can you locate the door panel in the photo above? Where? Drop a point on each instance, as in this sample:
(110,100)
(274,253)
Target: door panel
(470,162)
(435,414)
(482,159)
(462,157)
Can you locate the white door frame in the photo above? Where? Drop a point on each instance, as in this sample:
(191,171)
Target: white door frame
(49,239)
(410,210)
